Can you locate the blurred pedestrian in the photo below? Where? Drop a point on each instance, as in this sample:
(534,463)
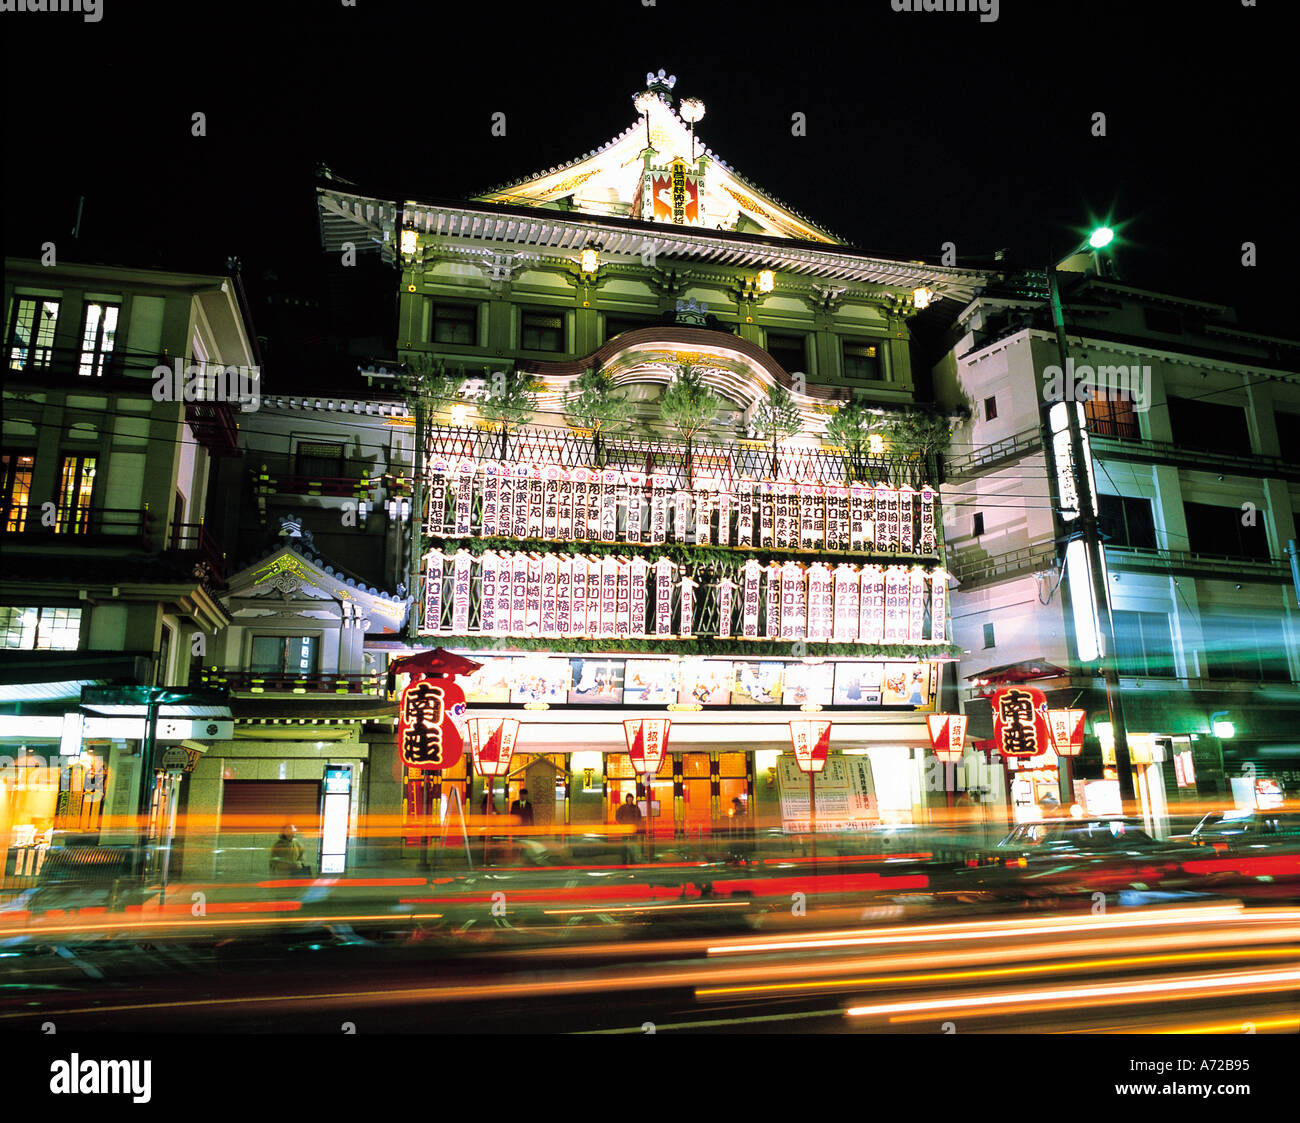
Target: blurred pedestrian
(738,831)
(629,815)
(522,809)
(287,853)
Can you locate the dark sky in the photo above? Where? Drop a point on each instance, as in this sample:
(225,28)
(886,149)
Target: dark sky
(922,128)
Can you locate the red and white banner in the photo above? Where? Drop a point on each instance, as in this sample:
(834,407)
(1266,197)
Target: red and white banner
(638,570)
(726,590)
(918,596)
(636,484)
(464,505)
(773,621)
(491,498)
(581,598)
(550,595)
(860,517)
(812,530)
(837,518)
(787,516)
(811,739)
(533,611)
(1067,731)
(647,741)
(487,592)
(939,606)
(623,592)
(550,501)
(564,512)
(704,513)
(766,513)
(611,483)
(794,602)
(947,735)
(563,596)
(927,543)
(519,472)
(608,597)
(906,503)
(745,512)
(659,492)
(687,623)
(581,484)
(436,522)
(492,744)
(722,503)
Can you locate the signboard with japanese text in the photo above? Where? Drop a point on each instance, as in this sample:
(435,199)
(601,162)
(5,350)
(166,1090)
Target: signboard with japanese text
(845,793)
(1020,722)
(429,717)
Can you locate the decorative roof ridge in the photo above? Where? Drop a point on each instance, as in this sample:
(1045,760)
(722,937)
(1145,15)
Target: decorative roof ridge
(340,575)
(383,406)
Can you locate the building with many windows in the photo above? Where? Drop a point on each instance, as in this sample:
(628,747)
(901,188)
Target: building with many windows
(611,563)
(122,390)
(1191,424)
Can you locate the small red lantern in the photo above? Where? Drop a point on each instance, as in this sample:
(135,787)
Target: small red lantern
(1067,731)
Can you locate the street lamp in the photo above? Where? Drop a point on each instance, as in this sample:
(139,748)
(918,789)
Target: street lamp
(1094,556)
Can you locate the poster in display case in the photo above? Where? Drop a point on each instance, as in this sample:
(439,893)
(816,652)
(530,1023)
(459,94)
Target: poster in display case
(858,684)
(706,682)
(757,684)
(650,682)
(808,684)
(490,684)
(596,682)
(540,680)
(906,684)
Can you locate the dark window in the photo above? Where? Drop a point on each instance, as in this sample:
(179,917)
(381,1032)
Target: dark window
(1226,531)
(1126,521)
(1111,414)
(455,323)
(1209,425)
(988,635)
(16,470)
(163,669)
(285,655)
(1288,425)
(617,325)
(320,460)
(1162,320)
(1144,644)
(543,331)
(990,408)
(788,350)
(979,523)
(1243,646)
(861,360)
(31,332)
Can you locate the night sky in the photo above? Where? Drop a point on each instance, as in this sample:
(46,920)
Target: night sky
(922,128)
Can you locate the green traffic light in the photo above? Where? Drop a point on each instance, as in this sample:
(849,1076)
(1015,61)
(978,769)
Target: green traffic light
(1101,237)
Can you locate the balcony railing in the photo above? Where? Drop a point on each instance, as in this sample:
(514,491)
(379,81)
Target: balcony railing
(38,523)
(1122,447)
(276,682)
(293,483)
(989,456)
(977,568)
(1186,561)
(193,539)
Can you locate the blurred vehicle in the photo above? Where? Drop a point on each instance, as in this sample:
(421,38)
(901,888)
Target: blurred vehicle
(1083,837)
(1250,828)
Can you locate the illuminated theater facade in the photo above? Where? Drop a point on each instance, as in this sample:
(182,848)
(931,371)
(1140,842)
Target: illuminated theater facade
(726,580)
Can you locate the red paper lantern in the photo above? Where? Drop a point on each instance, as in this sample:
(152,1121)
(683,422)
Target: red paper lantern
(1020,724)
(430,717)
(1067,731)
(811,739)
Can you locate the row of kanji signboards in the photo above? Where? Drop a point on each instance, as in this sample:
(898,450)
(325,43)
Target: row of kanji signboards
(525,595)
(505,499)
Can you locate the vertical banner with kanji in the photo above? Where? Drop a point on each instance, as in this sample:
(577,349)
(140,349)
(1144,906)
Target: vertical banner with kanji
(794,602)
(594,501)
(686,626)
(536,501)
(608,596)
(636,483)
(533,617)
(681,507)
(659,491)
(859,530)
(939,606)
(726,586)
(464,508)
(766,513)
(462,566)
(581,478)
(896,594)
(885,538)
(918,598)
(433,562)
(519,474)
(610,482)
(665,570)
(750,572)
(787,516)
(550,595)
(487,591)
(773,622)
(745,510)
(846,604)
(491,498)
(623,590)
(436,523)
(518,594)
(928,542)
(821,607)
(906,518)
(837,518)
(638,571)
(550,501)
(564,507)
(563,595)
(704,513)
(579,598)
(723,506)
(871,617)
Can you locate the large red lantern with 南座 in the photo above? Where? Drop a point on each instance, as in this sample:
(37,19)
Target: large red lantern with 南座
(431,709)
(1020,723)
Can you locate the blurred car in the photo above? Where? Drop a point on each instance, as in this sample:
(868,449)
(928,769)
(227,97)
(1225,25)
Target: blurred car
(1250,828)
(1081,837)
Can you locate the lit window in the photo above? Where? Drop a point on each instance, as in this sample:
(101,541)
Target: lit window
(861,361)
(543,331)
(97,335)
(76,490)
(31,332)
(15,489)
(40,629)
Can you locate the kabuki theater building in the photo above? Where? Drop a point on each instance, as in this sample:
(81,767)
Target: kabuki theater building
(622,372)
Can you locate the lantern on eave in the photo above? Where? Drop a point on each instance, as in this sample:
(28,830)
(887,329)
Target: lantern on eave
(431,710)
(1020,723)
(947,735)
(1067,731)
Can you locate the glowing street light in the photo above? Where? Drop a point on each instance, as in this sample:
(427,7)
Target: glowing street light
(1100,238)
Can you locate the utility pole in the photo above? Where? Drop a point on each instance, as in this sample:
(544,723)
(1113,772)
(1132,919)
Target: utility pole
(1096,560)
